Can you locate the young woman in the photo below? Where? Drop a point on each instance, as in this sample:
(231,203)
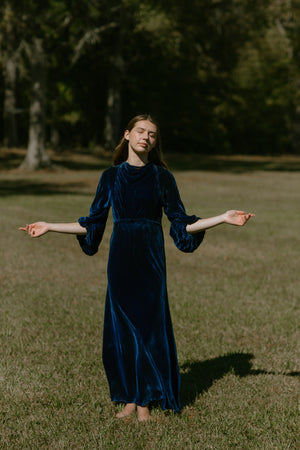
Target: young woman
(139,353)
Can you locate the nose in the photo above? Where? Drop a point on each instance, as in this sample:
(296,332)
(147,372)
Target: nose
(145,136)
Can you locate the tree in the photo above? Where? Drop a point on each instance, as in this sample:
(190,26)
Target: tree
(9,57)
(36,27)
(294,34)
(119,41)
(265,85)
(36,156)
(220,75)
(46,23)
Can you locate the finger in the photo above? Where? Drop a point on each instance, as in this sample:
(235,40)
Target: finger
(22,228)
(31,230)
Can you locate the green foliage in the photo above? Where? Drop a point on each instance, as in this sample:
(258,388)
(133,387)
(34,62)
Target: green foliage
(221,76)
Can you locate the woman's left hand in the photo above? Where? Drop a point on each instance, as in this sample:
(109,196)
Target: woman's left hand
(238,218)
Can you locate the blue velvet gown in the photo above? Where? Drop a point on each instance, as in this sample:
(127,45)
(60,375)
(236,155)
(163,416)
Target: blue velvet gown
(139,352)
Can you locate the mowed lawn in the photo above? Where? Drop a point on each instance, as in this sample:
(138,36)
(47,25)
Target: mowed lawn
(234,304)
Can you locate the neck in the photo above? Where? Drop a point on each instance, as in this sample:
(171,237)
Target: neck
(137,160)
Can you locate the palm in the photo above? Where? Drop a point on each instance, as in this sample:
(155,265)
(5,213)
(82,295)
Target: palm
(238,218)
(36,229)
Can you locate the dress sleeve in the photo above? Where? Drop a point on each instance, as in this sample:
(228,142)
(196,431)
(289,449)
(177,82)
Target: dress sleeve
(175,211)
(96,220)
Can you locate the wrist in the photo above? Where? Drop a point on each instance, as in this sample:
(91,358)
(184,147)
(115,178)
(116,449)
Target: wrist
(223,218)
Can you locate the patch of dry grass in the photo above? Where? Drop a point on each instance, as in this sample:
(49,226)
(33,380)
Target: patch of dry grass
(235,309)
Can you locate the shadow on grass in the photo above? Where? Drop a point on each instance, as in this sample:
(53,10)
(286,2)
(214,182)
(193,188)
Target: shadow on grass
(11,159)
(86,160)
(232,164)
(197,377)
(31,187)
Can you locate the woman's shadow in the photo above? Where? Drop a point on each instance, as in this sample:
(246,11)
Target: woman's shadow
(197,377)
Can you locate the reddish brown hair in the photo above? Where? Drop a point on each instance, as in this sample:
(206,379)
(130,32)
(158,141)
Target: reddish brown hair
(155,154)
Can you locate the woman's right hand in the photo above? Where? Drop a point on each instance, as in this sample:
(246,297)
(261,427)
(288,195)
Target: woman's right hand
(36,229)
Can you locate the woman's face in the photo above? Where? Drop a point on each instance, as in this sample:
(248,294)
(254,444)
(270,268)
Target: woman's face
(142,138)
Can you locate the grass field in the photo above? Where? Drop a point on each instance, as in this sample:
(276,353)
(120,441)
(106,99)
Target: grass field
(234,304)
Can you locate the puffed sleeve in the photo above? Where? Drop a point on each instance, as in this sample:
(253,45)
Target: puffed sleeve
(96,220)
(175,211)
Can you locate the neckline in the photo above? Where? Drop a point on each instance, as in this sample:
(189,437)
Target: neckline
(137,167)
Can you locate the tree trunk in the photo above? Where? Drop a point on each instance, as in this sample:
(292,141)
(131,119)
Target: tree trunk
(295,128)
(9,62)
(112,117)
(54,131)
(9,110)
(37,156)
(111,133)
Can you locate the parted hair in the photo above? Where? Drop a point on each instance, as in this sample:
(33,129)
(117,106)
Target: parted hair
(155,154)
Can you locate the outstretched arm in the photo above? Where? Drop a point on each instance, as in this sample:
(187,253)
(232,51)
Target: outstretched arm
(37,229)
(231,217)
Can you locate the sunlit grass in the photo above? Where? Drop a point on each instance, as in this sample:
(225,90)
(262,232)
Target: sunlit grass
(234,304)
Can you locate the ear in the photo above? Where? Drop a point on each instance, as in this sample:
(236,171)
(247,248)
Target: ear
(126,135)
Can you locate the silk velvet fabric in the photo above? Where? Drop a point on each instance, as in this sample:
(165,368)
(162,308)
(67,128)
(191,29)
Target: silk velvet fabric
(139,352)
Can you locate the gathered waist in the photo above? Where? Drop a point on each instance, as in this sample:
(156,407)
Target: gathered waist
(137,220)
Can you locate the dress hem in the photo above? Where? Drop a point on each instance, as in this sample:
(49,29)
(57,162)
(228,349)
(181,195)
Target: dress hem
(159,400)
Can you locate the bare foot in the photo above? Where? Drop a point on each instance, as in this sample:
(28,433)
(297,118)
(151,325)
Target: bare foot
(143,413)
(128,409)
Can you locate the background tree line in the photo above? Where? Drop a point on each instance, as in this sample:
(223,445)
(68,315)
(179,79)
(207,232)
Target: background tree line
(221,76)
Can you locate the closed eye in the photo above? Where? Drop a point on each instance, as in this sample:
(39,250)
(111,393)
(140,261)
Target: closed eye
(151,134)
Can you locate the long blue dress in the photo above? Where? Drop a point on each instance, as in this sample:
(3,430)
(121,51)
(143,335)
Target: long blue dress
(139,353)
